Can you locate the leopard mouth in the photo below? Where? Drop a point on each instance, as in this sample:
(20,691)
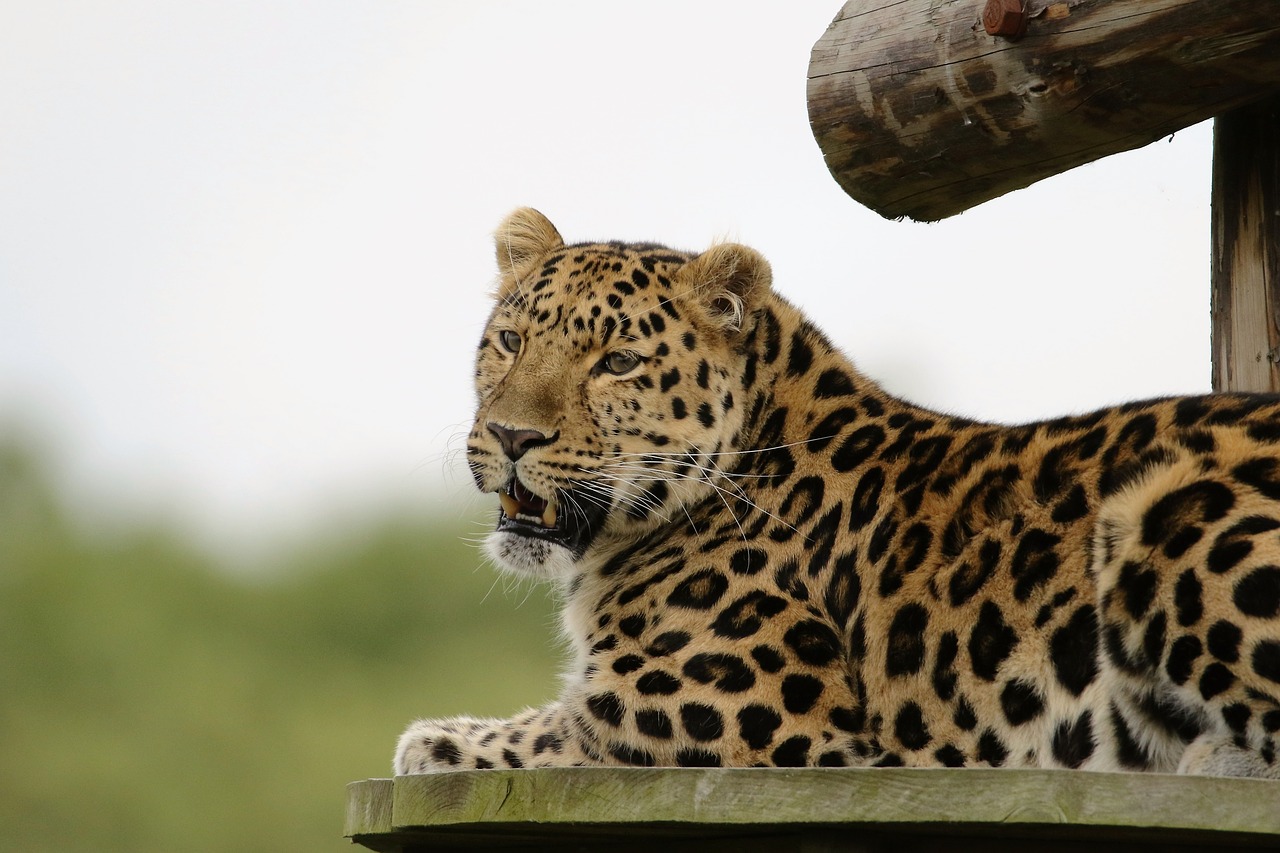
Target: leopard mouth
(523,506)
(558,519)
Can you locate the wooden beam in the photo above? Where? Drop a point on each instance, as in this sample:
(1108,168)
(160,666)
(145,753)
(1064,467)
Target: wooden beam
(921,113)
(1246,249)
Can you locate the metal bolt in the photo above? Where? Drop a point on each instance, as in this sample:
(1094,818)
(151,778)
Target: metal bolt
(1005,18)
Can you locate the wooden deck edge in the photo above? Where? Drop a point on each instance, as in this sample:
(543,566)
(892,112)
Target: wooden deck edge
(369,807)
(536,804)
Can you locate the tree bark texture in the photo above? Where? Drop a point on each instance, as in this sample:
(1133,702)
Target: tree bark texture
(920,113)
(1246,249)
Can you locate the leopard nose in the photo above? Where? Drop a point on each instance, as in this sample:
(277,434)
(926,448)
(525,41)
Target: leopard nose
(516,442)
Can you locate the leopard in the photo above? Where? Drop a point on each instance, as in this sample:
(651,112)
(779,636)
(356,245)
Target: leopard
(761,558)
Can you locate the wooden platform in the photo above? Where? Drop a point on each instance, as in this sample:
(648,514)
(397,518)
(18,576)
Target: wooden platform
(673,810)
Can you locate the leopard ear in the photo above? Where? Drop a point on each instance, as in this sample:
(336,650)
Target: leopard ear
(523,237)
(730,281)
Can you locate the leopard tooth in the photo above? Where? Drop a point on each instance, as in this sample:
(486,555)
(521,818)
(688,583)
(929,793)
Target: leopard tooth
(509,504)
(549,515)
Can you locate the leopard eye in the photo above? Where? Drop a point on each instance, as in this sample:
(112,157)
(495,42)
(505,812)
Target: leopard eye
(620,362)
(510,341)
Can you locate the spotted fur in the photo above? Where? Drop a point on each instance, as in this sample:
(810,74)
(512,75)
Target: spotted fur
(766,560)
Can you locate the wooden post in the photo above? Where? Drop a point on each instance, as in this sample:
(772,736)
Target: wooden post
(1246,249)
(921,112)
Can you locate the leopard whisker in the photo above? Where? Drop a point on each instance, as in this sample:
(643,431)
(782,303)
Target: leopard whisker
(636,499)
(706,472)
(638,466)
(742,452)
(705,476)
(641,500)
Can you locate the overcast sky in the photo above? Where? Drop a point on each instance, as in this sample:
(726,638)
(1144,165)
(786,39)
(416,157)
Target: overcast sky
(245,244)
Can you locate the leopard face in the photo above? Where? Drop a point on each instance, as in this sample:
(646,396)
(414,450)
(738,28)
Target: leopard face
(609,387)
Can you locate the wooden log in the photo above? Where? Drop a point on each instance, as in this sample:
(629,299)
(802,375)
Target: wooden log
(920,113)
(1246,249)
(762,810)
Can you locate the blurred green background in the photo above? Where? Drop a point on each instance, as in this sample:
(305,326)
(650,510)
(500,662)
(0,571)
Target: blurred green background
(151,699)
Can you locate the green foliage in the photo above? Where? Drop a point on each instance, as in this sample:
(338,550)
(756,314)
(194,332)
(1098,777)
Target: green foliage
(151,701)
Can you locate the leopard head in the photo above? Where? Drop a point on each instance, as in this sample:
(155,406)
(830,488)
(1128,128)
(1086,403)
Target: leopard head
(610,385)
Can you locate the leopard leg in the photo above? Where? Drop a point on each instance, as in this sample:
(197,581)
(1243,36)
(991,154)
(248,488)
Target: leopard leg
(1189,593)
(535,738)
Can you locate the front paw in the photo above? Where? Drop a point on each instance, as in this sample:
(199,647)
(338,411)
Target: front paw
(431,746)
(1218,755)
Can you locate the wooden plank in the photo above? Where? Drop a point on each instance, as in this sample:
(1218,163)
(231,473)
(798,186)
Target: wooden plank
(1246,249)
(920,113)
(549,806)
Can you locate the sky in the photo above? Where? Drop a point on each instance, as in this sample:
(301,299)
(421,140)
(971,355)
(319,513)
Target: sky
(245,245)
